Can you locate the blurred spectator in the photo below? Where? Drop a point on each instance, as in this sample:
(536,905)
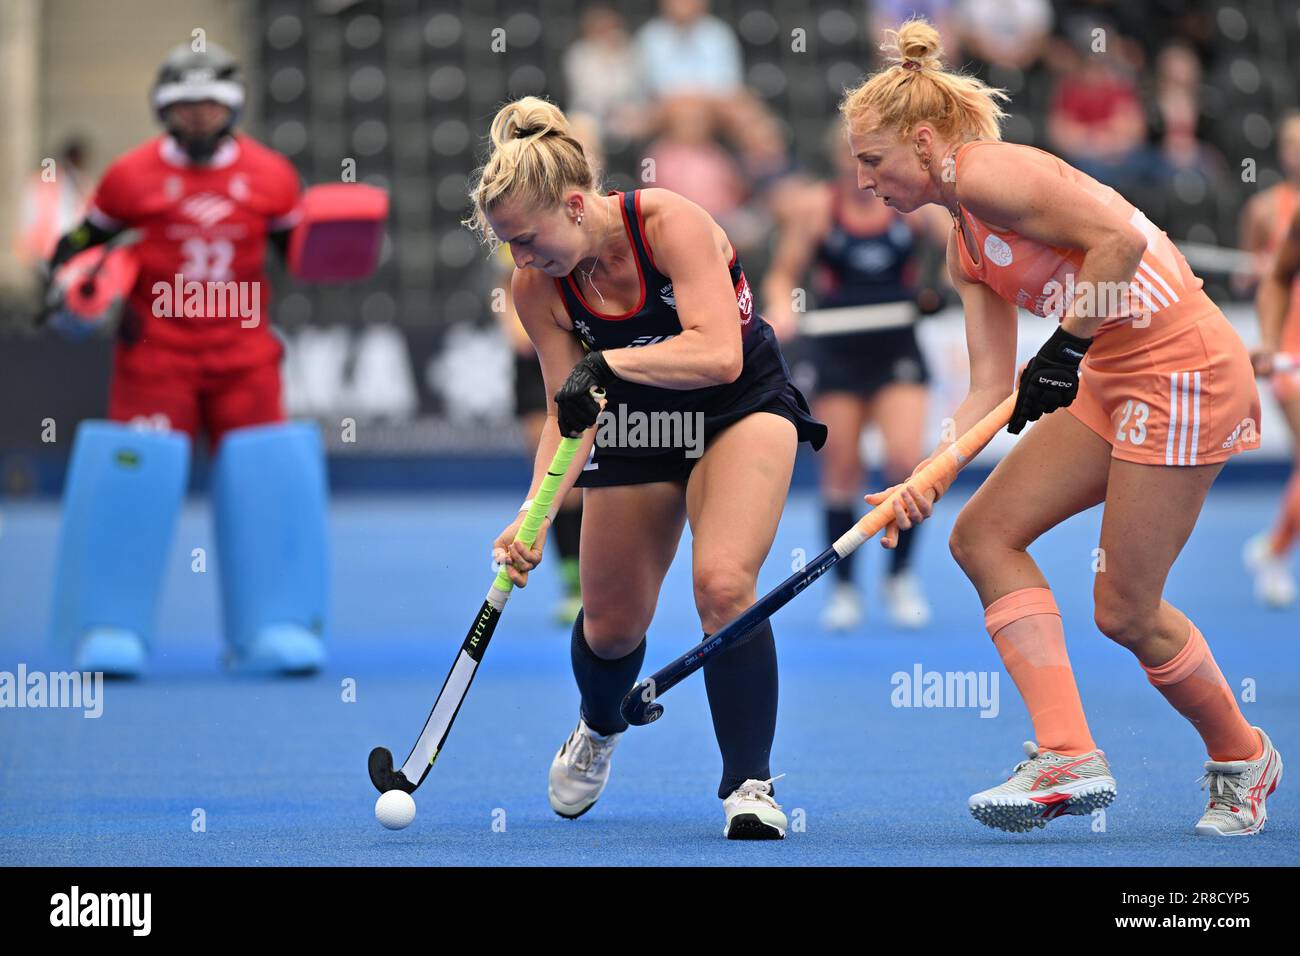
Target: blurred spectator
(604,77)
(686,50)
(54,202)
(1144,26)
(1178,108)
(1096,121)
(689,160)
(1007,33)
(1006,45)
(1180,149)
(1178,67)
(759,140)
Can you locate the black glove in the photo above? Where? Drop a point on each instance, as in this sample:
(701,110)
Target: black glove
(1050,380)
(576,408)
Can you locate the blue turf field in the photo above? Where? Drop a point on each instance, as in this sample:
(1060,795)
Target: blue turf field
(279,768)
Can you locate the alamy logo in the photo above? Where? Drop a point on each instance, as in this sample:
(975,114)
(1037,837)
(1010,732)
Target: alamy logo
(922,688)
(57,689)
(207,300)
(618,427)
(103,909)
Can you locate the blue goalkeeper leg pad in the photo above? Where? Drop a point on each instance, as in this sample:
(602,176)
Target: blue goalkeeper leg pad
(270,504)
(123,491)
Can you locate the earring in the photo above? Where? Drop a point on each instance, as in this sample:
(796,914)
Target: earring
(925,162)
(580,219)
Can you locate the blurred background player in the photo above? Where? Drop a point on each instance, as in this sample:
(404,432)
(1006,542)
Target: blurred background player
(1271,230)
(195,353)
(54,201)
(862,254)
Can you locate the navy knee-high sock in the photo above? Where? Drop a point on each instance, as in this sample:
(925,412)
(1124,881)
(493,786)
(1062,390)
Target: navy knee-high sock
(603,683)
(900,559)
(840,519)
(567,529)
(742,688)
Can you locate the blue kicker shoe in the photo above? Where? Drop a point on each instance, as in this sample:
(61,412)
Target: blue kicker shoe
(114,652)
(282,649)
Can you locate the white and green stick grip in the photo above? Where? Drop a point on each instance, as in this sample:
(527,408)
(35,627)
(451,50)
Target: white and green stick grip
(456,686)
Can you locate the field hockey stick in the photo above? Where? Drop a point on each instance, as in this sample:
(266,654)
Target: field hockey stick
(456,687)
(54,295)
(128,237)
(848,320)
(641,706)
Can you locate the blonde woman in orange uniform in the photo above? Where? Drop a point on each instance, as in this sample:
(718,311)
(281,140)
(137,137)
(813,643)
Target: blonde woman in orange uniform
(1167,396)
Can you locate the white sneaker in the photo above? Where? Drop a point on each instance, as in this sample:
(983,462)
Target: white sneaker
(907,605)
(1274,585)
(1238,789)
(1046,786)
(752,812)
(580,771)
(843,612)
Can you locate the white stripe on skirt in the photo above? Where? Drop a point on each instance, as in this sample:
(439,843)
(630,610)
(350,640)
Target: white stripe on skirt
(1182,427)
(1173,417)
(1196,415)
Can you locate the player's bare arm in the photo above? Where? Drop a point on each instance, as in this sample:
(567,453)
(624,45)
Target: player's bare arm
(1038,204)
(691,250)
(800,224)
(558,351)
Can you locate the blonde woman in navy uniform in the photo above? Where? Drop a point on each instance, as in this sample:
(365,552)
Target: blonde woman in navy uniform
(641,293)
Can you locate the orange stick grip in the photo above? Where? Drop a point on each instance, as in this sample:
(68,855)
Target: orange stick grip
(943,468)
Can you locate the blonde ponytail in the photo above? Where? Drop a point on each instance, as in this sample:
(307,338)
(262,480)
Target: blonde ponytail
(916,90)
(534,158)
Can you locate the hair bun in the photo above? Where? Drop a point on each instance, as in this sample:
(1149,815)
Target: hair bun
(914,46)
(528,118)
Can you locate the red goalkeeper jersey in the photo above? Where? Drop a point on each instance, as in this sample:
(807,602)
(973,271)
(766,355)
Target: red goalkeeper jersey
(202,287)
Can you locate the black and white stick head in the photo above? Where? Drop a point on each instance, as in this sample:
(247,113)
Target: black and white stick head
(382,774)
(639,707)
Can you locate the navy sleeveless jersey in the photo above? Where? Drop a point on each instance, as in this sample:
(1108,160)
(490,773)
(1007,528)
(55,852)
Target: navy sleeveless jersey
(654,319)
(864,269)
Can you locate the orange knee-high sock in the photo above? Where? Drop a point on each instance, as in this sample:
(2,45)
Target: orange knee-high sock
(1193,683)
(1026,629)
(1287,528)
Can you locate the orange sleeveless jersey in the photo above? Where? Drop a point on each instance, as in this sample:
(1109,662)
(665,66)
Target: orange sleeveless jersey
(1040,278)
(1167,380)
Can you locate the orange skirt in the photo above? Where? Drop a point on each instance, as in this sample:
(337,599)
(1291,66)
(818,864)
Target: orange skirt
(1180,391)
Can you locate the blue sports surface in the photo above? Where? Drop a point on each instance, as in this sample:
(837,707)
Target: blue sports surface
(276,770)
